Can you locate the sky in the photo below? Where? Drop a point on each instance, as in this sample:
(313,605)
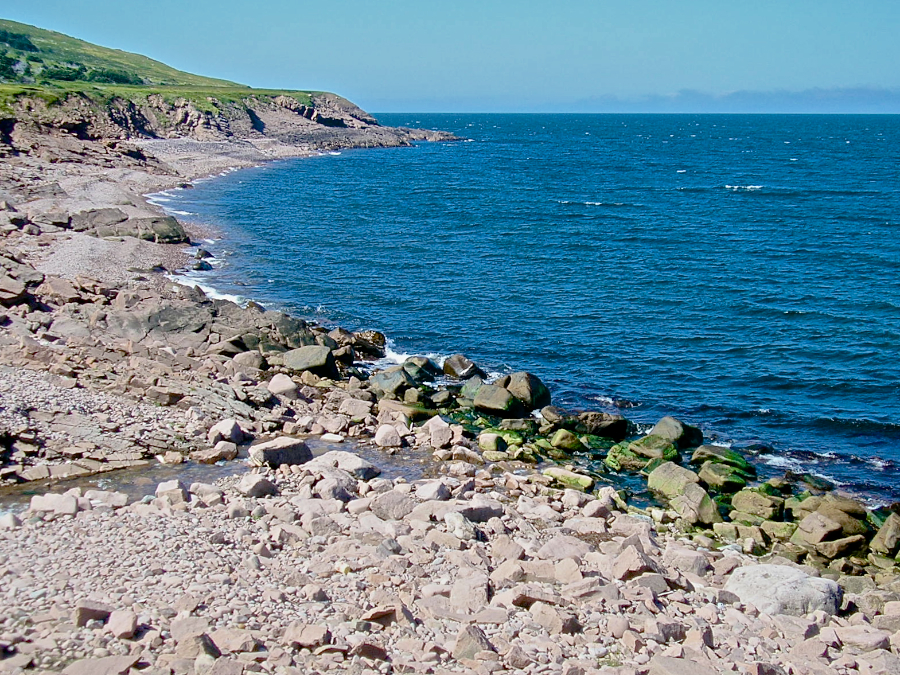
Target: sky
(518,55)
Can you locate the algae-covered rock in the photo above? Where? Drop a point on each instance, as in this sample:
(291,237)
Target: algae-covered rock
(568,478)
(722,477)
(621,458)
(695,506)
(720,455)
(654,447)
(497,401)
(566,440)
(679,433)
(779,531)
(752,501)
(393,382)
(670,480)
(491,442)
(495,456)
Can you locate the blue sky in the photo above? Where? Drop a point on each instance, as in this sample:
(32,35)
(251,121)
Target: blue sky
(523,55)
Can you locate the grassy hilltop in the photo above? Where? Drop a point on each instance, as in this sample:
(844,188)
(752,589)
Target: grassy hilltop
(44,64)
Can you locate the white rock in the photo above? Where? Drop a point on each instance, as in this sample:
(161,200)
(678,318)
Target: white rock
(778,589)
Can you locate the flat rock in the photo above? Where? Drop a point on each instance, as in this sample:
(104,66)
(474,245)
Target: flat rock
(778,589)
(283,450)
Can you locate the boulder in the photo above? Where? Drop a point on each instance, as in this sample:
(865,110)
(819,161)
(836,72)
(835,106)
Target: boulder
(226,430)
(392,382)
(345,461)
(720,455)
(695,505)
(887,540)
(778,589)
(255,485)
(387,436)
(461,368)
(313,358)
(654,447)
(678,433)
(756,503)
(527,388)
(566,440)
(722,477)
(421,368)
(570,479)
(670,480)
(605,425)
(283,450)
(283,386)
(497,401)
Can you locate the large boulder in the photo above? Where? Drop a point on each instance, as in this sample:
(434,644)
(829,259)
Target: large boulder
(654,447)
(421,368)
(314,358)
(158,229)
(497,401)
(670,480)
(283,450)
(605,425)
(680,434)
(887,540)
(694,505)
(527,388)
(461,368)
(391,382)
(778,589)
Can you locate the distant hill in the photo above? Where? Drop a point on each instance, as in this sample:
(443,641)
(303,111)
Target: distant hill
(30,55)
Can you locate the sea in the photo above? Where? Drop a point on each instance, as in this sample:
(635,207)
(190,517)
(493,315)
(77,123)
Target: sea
(740,272)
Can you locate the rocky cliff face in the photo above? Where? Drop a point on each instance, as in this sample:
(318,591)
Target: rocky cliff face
(326,121)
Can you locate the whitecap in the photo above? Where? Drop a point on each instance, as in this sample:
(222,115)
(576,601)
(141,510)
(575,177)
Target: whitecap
(681,171)
(748,188)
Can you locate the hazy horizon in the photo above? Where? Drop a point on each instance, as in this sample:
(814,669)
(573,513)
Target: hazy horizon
(577,56)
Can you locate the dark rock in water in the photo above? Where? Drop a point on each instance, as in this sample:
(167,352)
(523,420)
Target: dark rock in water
(497,401)
(392,382)
(314,358)
(421,368)
(370,342)
(527,388)
(460,367)
(201,266)
(813,482)
(602,424)
(553,415)
(682,435)
(720,455)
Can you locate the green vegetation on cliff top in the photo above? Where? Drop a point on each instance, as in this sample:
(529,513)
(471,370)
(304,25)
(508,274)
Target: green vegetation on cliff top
(48,65)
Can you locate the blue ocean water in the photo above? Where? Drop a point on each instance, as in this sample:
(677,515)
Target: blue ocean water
(739,271)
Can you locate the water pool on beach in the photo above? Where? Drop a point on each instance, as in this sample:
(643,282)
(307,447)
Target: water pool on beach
(739,271)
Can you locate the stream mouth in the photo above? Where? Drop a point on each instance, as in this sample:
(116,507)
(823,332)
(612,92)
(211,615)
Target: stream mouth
(140,481)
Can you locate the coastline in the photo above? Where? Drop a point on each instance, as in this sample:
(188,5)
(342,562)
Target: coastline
(527,571)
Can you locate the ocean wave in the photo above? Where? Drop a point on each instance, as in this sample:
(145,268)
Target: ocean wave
(860,424)
(192,279)
(744,188)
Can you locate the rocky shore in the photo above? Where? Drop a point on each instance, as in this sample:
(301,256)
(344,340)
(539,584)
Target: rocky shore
(507,555)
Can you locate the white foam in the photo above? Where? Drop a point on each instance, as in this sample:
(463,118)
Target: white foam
(681,171)
(179,213)
(392,355)
(334,154)
(191,280)
(782,462)
(747,188)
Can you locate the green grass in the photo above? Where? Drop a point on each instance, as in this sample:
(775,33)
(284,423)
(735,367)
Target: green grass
(76,66)
(56,49)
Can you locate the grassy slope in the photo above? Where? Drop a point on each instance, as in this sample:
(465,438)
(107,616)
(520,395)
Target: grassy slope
(58,49)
